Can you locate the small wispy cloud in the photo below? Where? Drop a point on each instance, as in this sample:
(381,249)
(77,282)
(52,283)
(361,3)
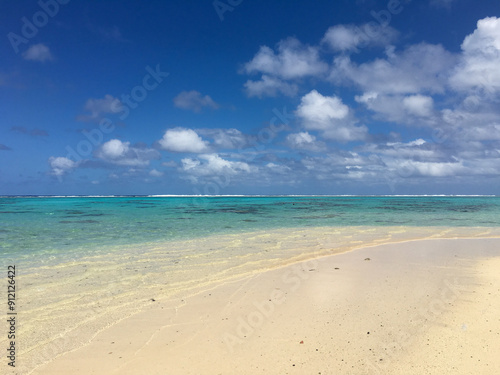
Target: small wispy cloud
(112,33)
(442,3)
(32,132)
(155,173)
(349,38)
(4,147)
(194,101)
(96,108)
(304,141)
(38,52)
(269,86)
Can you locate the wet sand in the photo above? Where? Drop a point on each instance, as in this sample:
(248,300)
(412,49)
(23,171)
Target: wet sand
(420,307)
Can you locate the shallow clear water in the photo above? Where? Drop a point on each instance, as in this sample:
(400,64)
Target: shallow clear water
(58,225)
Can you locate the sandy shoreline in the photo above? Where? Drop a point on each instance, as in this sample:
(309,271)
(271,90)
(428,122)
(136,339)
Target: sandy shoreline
(416,307)
(67,302)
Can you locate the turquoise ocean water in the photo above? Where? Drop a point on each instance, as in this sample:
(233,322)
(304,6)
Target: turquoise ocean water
(61,225)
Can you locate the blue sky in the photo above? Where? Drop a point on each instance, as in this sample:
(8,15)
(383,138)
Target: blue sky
(250,97)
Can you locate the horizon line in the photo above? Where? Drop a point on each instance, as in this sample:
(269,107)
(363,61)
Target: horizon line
(241,195)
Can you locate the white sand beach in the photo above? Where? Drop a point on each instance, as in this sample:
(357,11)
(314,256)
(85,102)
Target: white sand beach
(420,307)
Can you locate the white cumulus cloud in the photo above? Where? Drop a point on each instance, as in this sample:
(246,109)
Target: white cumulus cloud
(419,68)
(292,60)
(183,140)
(478,67)
(122,153)
(330,115)
(419,105)
(320,112)
(226,138)
(206,165)
(61,165)
(403,109)
(114,149)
